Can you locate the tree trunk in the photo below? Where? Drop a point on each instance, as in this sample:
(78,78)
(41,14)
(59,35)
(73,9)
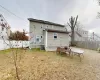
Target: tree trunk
(72,37)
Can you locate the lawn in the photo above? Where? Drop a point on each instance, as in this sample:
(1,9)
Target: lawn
(41,65)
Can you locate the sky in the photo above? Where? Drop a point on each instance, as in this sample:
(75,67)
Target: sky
(58,11)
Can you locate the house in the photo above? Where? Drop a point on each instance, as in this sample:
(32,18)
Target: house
(4,33)
(4,28)
(80,34)
(93,37)
(47,35)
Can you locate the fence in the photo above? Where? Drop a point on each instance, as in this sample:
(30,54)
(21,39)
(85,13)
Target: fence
(15,44)
(88,44)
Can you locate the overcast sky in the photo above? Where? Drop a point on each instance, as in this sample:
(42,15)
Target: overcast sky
(58,11)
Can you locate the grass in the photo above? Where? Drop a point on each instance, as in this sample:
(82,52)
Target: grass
(5,51)
(41,65)
(37,50)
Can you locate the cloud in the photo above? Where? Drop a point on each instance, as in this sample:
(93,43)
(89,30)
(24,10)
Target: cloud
(58,11)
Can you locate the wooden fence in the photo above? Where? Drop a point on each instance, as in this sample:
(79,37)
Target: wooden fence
(88,44)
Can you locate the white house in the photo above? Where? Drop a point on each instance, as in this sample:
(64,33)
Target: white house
(4,33)
(4,28)
(47,35)
(80,33)
(93,37)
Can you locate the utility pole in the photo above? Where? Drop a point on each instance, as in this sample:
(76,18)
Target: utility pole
(93,35)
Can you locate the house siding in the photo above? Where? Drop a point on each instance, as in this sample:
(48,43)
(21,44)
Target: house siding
(82,32)
(6,31)
(36,29)
(61,41)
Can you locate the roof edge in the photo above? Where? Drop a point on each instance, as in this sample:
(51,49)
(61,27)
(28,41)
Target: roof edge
(59,31)
(45,22)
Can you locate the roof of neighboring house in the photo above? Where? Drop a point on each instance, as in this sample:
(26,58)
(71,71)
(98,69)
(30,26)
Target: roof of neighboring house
(79,34)
(58,31)
(44,22)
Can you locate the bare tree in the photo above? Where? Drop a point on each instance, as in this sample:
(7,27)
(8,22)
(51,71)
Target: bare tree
(72,23)
(98,13)
(14,55)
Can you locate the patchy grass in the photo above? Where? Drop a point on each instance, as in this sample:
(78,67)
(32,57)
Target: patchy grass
(41,65)
(5,51)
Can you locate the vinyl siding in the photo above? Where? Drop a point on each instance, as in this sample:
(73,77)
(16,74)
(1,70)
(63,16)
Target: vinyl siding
(38,30)
(61,41)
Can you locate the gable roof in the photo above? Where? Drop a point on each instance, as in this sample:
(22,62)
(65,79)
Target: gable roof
(45,22)
(79,34)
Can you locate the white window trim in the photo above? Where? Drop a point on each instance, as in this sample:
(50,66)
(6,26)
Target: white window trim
(54,35)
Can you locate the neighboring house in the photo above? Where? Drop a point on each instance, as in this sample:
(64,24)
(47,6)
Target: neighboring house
(4,33)
(4,28)
(93,37)
(80,34)
(48,35)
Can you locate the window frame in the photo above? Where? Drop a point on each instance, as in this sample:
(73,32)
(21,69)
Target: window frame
(55,35)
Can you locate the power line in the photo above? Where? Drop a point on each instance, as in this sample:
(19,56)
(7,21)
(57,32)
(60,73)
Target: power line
(11,12)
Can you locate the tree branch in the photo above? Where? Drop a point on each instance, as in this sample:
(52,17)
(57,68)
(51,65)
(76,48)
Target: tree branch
(68,24)
(76,21)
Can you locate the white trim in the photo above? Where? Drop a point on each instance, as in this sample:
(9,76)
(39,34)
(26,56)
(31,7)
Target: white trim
(55,34)
(46,39)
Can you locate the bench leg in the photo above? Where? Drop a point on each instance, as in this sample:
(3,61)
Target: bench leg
(80,57)
(72,54)
(83,55)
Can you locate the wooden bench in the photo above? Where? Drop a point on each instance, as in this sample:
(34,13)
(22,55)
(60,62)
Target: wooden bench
(66,50)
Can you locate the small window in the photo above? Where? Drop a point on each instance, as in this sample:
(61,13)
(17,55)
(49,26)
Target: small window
(41,26)
(2,28)
(41,36)
(1,19)
(37,39)
(55,35)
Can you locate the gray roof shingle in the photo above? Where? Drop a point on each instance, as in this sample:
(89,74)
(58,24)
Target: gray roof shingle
(44,22)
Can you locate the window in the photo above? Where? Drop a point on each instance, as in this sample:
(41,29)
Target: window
(41,36)
(37,39)
(2,28)
(41,26)
(55,35)
(1,19)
